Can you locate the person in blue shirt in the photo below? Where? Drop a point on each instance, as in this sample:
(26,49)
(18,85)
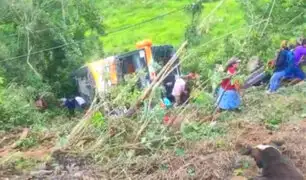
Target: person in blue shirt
(280,67)
(70,104)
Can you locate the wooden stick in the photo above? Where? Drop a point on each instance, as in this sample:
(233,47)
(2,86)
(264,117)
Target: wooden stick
(163,71)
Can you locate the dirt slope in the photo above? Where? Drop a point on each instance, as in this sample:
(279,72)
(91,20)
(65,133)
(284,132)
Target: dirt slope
(203,160)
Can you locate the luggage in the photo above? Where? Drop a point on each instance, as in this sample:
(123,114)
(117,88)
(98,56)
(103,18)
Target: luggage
(255,78)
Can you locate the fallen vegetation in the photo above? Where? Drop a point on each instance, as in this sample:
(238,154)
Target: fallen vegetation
(124,149)
(37,144)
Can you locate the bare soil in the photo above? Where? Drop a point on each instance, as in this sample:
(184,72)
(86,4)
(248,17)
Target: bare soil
(209,160)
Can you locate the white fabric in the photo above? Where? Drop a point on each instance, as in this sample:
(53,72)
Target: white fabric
(179,87)
(80,100)
(63,99)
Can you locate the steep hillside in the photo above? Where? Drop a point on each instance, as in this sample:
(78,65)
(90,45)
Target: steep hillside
(169,29)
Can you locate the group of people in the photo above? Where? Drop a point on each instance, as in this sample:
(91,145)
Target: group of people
(177,90)
(286,65)
(72,103)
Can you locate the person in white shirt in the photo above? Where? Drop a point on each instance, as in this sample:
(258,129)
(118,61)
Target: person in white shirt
(62,101)
(179,90)
(80,102)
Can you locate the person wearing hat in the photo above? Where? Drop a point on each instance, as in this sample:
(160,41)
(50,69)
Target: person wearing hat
(180,91)
(228,93)
(280,67)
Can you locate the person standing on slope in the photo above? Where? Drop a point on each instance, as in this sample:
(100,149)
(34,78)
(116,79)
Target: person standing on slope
(228,93)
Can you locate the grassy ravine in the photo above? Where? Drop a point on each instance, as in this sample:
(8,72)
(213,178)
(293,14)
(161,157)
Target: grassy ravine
(167,30)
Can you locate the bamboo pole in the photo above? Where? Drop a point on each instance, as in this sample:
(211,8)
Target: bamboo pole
(156,81)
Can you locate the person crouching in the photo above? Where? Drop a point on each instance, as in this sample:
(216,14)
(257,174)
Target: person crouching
(81,103)
(228,93)
(280,68)
(180,92)
(70,104)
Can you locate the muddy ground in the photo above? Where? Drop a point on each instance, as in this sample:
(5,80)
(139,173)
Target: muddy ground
(211,160)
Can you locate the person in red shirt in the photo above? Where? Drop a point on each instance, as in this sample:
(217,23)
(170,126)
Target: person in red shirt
(228,94)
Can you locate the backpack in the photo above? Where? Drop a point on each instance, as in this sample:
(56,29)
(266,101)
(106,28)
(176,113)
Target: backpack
(290,58)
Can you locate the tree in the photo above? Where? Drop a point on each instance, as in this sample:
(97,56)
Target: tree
(284,19)
(50,39)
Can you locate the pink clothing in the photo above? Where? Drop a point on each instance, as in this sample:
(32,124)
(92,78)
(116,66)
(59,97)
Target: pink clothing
(179,87)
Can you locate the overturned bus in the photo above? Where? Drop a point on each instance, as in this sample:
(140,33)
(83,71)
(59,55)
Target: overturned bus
(98,76)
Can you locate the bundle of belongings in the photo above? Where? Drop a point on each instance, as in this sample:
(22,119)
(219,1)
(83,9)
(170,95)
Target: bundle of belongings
(258,74)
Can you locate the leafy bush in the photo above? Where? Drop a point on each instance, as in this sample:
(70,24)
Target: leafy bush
(17,108)
(27,143)
(98,120)
(155,134)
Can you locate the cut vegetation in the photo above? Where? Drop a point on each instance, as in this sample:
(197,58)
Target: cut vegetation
(57,37)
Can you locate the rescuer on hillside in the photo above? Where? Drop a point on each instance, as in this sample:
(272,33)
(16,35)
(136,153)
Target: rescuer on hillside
(180,90)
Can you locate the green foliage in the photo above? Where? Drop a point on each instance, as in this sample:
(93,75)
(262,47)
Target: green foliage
(23,164)
(195,131)
(17,108)
(53,37)
(98,120)
(191,33)
(273,120)
(240,78)
(284,20)
(155,135)
(249,30)
(202,99)
(125,93)
(27,143)
(191,171)
(215,45)
(164,167)
(62,142)
(167,30)
(238,172)
(179,152)
(243,165)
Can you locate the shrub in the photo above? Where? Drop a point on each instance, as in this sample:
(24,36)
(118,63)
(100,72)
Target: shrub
(196,131)
(17,108)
